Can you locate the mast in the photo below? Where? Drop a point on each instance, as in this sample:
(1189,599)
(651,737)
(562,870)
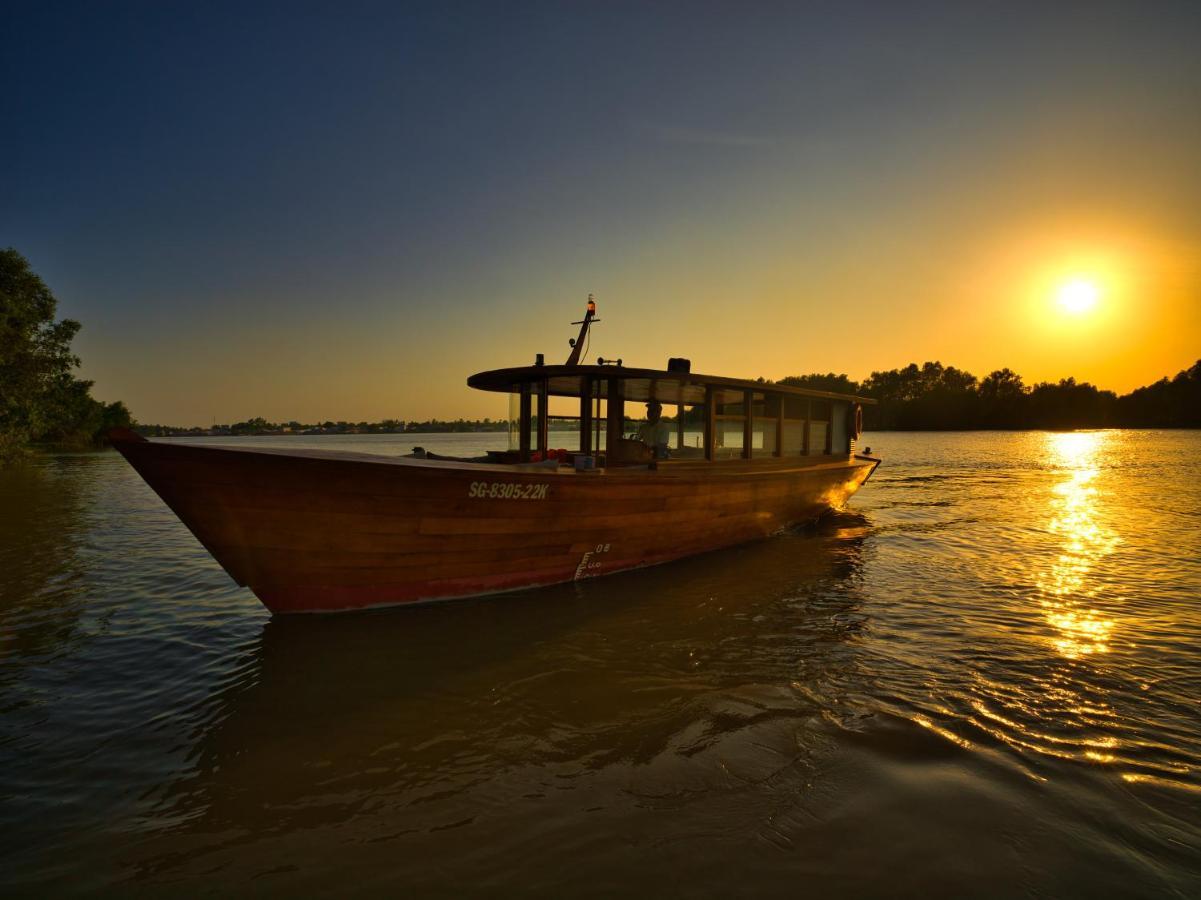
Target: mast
(577,344)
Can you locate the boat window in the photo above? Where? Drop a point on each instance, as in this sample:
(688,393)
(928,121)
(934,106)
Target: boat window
(563,407)
(631,423)
(792,439)
(817,438)
(600,416)
(729,428)
(838,429)
(747,423)
(684,426)
(515,423)
(819,427)
(563,423)
(765,410)
(562,419)
(688,439)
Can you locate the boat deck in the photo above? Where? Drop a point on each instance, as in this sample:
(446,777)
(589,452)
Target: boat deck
(664,467)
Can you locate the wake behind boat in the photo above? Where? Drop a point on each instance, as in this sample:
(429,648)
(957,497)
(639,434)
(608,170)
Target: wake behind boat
(323,531)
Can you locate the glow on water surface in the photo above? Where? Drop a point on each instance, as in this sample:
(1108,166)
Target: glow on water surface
(979,679)
(1066,589)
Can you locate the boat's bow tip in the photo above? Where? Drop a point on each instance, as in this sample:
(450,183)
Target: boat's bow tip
(124,435)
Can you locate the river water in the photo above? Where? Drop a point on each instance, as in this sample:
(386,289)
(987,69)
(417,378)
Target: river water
(980,679)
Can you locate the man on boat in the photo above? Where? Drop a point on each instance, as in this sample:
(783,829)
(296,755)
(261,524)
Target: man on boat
(655,433)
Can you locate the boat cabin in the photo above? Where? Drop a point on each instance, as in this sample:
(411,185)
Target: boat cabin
(595,411)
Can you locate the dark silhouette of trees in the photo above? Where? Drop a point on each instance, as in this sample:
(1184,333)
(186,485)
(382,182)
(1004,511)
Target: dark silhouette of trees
(1168,403)
(40,398)
(1003,399)
(1069,404)
(933,396)
(936,397)
(839,384)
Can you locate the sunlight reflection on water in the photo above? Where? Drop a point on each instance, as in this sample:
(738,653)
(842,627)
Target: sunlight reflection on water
(1064,592)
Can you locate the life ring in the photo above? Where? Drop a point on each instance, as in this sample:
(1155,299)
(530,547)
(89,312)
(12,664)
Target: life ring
(855,417)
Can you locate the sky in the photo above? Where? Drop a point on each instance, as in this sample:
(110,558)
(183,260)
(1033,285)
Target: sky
(341,210)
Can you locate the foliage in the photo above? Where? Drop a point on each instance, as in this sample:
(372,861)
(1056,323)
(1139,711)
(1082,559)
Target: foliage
(937,397)
(933,396)
(926,397)
(259,425)
(1069,404)
(839,384)
(40,399)
(1003,399)
(1167,403)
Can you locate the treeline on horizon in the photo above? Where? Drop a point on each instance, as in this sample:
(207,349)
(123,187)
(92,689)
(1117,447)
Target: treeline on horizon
(259,425)
(934,397)
(41,400)
(929,397)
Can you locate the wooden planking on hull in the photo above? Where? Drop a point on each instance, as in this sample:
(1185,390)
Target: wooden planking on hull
(311,532)
(328,531)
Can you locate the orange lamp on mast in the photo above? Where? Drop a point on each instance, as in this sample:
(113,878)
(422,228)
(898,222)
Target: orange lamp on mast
(577,344)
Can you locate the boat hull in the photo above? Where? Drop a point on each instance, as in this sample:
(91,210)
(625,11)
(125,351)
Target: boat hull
(310,531)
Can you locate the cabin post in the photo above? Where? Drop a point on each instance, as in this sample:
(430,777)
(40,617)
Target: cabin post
(524,422)
(779,425)
(586,416)
(808,415)
(543,412)
(748,424)
(710,423)
(829,428)
(615,420)
(680,420)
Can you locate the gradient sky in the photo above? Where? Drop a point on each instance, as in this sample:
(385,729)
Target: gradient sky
(340,211)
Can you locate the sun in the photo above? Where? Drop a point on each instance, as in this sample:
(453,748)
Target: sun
(1078,296)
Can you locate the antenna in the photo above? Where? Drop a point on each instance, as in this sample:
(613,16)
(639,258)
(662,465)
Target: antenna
(577,343)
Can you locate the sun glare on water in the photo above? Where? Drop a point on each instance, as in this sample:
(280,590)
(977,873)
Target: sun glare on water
(1078,296)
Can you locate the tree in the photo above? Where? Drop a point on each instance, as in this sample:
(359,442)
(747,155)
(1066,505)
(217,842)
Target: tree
(838,384)
(1003,399)
(40,398)
(933,396)
(1002,385)
(1070,404)
(35,352)
(1169,403)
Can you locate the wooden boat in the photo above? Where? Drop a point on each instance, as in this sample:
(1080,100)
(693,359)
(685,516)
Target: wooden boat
(322,531)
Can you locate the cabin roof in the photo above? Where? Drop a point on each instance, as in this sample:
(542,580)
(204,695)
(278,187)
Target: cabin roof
(639,385)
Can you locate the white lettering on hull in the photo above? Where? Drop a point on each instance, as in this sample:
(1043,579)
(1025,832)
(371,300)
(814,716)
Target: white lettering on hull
(500,490)
(588,566)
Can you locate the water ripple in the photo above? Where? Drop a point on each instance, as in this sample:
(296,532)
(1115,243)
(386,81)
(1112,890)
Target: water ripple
(982,673)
